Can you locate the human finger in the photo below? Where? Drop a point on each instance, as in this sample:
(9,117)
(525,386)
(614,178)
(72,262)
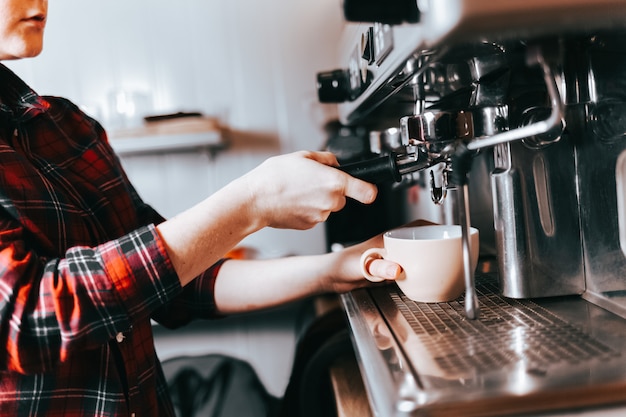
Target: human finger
(384,269)
(360,190)
(354,188)
(324,157)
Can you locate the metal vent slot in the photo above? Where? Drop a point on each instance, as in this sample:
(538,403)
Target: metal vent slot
(620,180)
(509,332)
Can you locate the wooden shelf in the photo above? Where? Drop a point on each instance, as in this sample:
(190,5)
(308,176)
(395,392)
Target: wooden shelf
(170,135)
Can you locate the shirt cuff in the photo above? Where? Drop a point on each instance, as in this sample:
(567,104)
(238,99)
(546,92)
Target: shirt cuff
(141,272)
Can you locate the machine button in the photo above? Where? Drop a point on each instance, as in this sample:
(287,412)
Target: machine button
(392,12)
(334,86)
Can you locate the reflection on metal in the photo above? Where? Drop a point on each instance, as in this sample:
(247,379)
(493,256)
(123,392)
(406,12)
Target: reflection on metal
(543,195)
(426,358)
(537,128)
(512,333)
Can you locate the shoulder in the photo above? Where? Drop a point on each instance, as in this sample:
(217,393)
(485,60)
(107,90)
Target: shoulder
(65,112)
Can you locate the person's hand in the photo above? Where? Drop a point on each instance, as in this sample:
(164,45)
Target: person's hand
(301,189)
(346,273)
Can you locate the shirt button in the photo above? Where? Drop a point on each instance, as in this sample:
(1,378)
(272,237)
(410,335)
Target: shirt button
(120,337)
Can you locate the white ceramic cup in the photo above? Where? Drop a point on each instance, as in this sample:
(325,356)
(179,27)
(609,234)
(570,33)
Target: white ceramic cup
(431,258)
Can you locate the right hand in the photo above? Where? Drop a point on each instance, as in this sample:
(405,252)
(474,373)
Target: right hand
(301,189)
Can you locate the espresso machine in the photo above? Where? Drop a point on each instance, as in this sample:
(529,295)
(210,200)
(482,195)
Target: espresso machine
(512,119)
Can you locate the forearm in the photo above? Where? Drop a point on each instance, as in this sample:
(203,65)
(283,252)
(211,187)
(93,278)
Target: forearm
(246,285)
(249,285)
(201,235)
(278,193)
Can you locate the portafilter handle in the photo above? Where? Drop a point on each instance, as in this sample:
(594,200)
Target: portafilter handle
(387,168)
(377,171)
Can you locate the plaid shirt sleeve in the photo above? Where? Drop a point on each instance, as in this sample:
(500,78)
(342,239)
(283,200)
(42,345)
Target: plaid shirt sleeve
(80,259)
(196,302)
(55,307)
(82,269)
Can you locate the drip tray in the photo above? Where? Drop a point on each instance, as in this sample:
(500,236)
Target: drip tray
(519,356)
(509,333)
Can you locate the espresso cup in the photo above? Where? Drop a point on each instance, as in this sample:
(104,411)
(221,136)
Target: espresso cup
(431,258)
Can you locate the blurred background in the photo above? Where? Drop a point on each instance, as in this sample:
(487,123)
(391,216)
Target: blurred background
(249,65)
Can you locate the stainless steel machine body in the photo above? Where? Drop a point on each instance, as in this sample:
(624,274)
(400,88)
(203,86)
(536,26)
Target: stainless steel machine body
(535,92)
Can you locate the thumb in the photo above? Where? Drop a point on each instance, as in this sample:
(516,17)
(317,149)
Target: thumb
(384,269)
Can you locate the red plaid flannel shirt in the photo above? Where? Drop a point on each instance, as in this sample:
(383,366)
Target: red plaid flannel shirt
(82,269)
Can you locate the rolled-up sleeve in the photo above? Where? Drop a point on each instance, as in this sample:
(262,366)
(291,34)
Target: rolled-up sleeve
(197,301)
(140,271)
(51,308)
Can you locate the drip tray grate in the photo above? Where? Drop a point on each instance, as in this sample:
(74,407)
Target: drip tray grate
(509,332)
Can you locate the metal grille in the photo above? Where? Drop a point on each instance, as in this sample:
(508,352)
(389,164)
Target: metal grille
(508,332)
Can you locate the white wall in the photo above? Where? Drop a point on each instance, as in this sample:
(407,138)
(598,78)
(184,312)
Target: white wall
(252,63)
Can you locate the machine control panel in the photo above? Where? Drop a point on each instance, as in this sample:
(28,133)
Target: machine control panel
(382,40)
(340,85)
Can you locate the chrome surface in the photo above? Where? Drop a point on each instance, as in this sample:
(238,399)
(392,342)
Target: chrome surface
(521,355)
(538,128)
(536,221)
(601,173)
(547,189)
(412,50)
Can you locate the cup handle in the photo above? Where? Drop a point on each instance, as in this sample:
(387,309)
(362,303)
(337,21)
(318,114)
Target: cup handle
(372,253)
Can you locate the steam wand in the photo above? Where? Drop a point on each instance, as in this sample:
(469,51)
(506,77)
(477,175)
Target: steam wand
(391,167)
(461,166)
(462,163)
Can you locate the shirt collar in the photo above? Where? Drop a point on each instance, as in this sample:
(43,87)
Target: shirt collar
(17,99)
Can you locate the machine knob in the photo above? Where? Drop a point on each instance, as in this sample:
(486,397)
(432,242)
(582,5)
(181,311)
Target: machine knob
(334,86)
(391,12)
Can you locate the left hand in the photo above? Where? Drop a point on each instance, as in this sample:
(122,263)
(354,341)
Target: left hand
(347,275)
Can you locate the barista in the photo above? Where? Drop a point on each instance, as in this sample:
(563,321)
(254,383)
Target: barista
(85,264)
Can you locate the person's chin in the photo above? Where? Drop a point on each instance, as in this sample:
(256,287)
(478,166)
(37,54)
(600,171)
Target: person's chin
(30,52)
(25,47)
(34,53)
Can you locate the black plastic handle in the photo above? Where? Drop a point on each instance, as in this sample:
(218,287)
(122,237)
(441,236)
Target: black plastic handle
(377,171)
(391,12)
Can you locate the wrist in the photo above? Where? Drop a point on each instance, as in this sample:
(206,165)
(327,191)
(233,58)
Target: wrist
(251,210)
(335,272)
